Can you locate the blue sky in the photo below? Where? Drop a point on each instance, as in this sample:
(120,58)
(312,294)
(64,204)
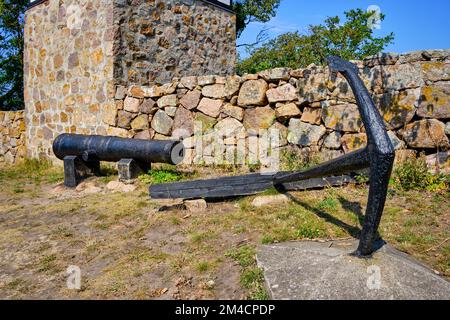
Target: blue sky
(417,24)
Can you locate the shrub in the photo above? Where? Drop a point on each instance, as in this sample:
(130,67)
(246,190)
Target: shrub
(413,174)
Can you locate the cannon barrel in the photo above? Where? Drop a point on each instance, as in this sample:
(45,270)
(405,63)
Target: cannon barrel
(101,148)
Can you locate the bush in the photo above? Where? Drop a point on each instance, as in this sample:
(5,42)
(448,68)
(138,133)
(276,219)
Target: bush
(413,174)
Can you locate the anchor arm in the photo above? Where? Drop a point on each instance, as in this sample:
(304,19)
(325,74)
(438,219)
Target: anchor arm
(356,160)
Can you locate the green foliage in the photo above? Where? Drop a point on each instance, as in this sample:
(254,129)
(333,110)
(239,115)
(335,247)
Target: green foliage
(362,178)
(252,277)
(349,39)
(248,11)
(413,174)
(160,176)
(309,231)
(244,255)
(11,53)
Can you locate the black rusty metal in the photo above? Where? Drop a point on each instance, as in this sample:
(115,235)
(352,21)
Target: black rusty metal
(82,155)
(378,156)
(113,149)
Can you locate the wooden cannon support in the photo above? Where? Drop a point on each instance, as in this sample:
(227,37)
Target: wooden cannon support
(82,155)
(378,155)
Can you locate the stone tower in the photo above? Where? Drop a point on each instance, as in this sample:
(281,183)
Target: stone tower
(78,51)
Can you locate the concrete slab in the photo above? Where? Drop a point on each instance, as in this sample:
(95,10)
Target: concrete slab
(327,271)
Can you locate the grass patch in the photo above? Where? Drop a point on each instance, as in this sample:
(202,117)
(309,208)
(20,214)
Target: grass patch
(32,170)
(244,255)
(203,266)
(252,277)
(159,176)
(253,280)
(47,263)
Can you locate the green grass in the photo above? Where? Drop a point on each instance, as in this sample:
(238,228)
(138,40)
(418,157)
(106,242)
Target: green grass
(31,170)
(244,255)
(159,176)
(203,266)
(252,277)
(253,280)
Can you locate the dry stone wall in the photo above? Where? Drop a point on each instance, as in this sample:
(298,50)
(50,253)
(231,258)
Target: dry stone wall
(313,111)
(12,137)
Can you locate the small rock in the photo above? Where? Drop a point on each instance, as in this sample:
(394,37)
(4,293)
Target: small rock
(210,284)
(435,102)
(215,91)
(276,74)
(304,134)
(210,107)
(286,92)
(206,80)
(140,123)
(191,99)
(196,206)
(344,117)
(439,162)
(183,123)
(60,188)
(117,186)
(269,200)
(259,118)
(333,140)
(87,187)
(233,111)
(124,119)
(351,142)
(131,104)
(287,111)
(168,101)
(428,133)
(312,115)
(147,106)
(253,93)
(189,82)
(162,123)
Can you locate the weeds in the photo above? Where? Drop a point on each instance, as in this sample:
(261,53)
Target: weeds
(252,277)
(413,174)
(293,159)
(160,176)
(34,170)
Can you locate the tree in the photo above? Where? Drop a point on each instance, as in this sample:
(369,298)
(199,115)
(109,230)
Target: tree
(11,53)
(248,11)
(353,39)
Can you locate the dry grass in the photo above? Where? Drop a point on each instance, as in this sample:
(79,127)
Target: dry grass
(127,249)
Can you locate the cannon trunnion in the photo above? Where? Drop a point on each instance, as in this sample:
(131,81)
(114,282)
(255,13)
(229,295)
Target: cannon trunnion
(82,155)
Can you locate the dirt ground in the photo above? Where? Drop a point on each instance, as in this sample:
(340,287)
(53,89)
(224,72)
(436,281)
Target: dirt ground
(130,247)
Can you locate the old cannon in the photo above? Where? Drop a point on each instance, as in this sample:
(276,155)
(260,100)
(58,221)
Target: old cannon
(82,155)
(378,156)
